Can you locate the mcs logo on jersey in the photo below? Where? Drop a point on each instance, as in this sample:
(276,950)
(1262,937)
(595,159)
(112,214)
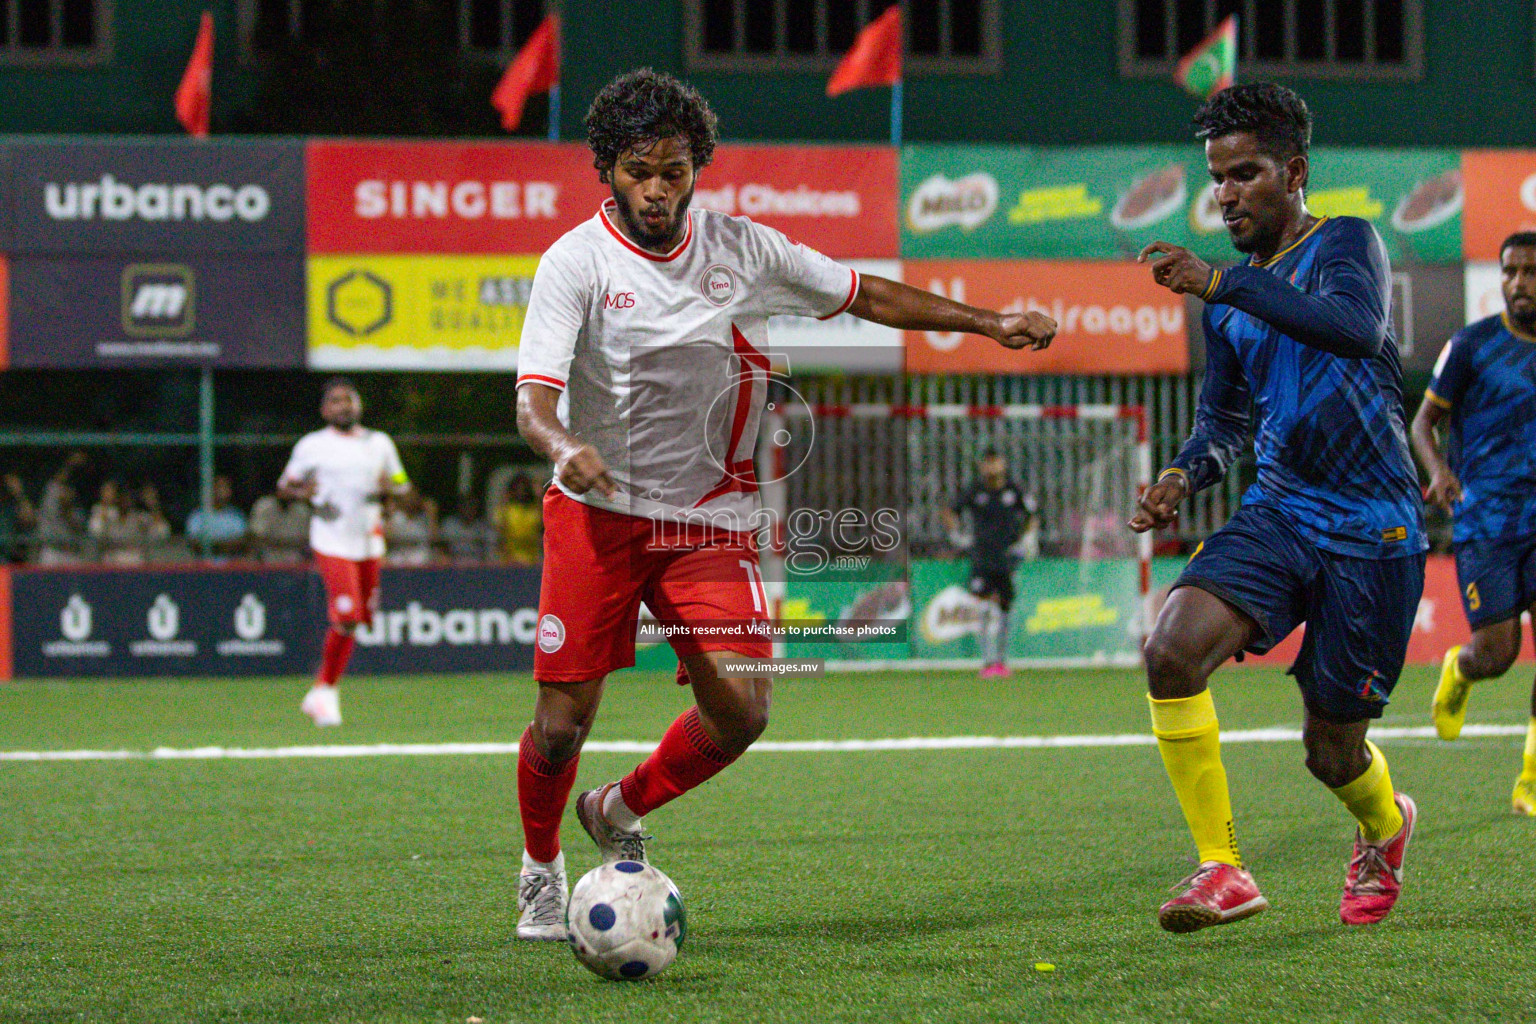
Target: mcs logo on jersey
(158,300)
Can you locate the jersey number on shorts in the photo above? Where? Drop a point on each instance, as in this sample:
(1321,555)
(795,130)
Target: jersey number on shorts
(755,584)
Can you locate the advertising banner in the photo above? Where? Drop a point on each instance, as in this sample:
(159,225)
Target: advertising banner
(518,197)
(237,622)
(156,195)
(1063,608)
(143,623)
(188,310)
(1484,289)
(417,312)
(1107,202)
(446,197)
(840,200)
(1111,318)
(1501,198)
(457,619)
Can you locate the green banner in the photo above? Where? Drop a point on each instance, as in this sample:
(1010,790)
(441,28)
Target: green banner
(833,596)
(1107,202)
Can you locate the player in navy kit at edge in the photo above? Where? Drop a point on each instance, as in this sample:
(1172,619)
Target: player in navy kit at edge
(1485,384)
(1331,533)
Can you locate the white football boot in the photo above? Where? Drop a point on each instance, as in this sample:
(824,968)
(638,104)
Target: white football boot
(541,896)
(323,704)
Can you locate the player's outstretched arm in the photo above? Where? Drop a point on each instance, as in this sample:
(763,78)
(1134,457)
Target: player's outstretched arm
(1347,316)
(1444,489)
(577,465)
(911,309)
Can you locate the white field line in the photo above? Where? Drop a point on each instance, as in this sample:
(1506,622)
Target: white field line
(764,746)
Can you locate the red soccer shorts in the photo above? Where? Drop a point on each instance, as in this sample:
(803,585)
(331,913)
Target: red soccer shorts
(351,589)
(599,566)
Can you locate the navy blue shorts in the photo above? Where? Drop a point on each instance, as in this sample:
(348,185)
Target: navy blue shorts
(1497,578)
(1359,611)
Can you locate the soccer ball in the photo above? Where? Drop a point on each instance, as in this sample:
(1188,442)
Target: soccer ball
(625,921)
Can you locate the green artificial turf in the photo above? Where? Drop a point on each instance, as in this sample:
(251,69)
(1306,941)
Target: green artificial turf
(847,886)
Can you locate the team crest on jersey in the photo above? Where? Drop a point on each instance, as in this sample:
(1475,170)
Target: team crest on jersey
(551,633)
(718,285)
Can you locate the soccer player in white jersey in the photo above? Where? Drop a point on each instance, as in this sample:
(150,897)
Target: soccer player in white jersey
(642,375)
(343,471)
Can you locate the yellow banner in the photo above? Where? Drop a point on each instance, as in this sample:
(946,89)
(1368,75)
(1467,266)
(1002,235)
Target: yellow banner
(417,312)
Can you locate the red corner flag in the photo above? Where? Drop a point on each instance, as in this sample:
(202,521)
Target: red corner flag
(194,96)
(874,59)
(536,68)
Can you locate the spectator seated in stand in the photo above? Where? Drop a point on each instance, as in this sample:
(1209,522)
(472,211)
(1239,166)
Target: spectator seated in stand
(61,535)
(280,529)
(467,536)
(18,519)
(220,533)
(110,528)
(410,528)
(520,523)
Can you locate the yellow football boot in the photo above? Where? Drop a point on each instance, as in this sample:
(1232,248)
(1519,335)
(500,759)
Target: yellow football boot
(1450,707)
(1524,801)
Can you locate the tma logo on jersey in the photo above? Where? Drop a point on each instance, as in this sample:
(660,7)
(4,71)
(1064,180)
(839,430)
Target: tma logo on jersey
(416,626)
(159,300)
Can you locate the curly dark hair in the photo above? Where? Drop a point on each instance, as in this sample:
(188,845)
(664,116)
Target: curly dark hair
(645,106)
(1276,117)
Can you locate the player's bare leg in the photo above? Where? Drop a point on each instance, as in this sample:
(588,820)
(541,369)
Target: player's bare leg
(1488,655)
(730,714)
(1195,633)
(546,768)
(1341,758)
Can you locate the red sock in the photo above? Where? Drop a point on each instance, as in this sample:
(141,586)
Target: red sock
(333,659)
(685,758)
(542,790)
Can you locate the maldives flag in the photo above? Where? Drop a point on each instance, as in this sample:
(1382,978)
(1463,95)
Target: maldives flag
(536,68)
(1211,66)
(875,58)
(194,96)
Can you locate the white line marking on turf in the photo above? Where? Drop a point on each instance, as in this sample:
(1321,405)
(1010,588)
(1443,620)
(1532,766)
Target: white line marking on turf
(763,746)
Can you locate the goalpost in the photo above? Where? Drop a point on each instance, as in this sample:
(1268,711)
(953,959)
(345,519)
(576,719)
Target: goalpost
(1084,465)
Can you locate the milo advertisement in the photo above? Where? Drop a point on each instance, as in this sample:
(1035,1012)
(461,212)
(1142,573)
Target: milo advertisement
(1107,202)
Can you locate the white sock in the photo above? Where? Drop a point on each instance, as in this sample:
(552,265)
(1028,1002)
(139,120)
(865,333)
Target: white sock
(617,811)
(554,867)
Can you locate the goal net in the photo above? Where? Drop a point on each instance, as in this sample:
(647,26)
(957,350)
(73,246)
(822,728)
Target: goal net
(1081,577)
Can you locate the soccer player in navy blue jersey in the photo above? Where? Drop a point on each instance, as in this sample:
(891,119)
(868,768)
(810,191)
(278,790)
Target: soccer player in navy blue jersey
(1299,347)
(1485,384)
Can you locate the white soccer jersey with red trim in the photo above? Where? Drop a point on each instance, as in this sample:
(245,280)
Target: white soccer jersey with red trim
(662,360)
(351,470)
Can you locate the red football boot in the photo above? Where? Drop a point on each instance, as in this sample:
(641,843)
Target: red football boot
(1216,893)
(1375,877)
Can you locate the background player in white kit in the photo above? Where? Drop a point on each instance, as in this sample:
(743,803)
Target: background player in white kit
(642,375)
(343,471)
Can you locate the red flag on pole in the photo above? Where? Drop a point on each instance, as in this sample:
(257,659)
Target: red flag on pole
(874,59)
(536,68)
(194,96)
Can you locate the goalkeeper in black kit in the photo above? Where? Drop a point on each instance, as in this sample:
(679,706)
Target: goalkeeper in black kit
(1002,514)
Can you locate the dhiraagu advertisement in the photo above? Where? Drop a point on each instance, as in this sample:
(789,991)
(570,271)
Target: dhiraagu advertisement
(417,312)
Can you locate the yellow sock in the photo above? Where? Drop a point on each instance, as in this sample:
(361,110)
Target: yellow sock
(1453,659)
(1529,774)
(1189,738)
(1369,799)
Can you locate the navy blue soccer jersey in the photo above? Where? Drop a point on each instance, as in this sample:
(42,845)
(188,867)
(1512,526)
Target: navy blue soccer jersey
(1486,377)
(1304,339)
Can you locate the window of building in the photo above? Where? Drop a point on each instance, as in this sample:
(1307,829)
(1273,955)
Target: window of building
(494,28)
(54,32)
(1347,39)
(942,36)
